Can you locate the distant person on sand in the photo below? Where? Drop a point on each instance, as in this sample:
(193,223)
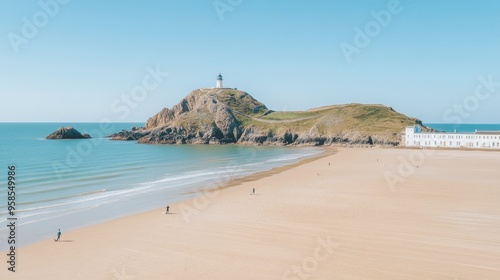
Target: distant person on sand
(328,164)
(168,210)
(253,191)
(58,235)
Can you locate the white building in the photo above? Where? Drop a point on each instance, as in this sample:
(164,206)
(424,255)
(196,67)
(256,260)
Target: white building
(414,137)
(218,84)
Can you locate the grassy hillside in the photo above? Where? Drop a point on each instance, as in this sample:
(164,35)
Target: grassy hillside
(331,120)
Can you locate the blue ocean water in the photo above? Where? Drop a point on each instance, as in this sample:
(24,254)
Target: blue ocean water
(72,183)
(464,127)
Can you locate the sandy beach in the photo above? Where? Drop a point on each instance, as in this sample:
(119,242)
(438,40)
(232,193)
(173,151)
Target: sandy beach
(354,214)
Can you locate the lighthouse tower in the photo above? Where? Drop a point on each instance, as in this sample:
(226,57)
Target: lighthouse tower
(219,81)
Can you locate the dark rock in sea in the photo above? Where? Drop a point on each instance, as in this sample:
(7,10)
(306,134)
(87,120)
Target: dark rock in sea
(133,135)
(67,133)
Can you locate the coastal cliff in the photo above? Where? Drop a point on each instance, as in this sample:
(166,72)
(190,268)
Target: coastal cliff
(218,116)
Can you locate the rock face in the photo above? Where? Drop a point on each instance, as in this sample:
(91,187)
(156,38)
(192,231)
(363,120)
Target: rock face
(219,116)
(67,133)
(205,116)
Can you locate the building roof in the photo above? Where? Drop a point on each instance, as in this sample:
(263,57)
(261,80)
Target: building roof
(484,132)
(487,132)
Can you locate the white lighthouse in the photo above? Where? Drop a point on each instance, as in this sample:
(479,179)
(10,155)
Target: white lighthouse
(219,81)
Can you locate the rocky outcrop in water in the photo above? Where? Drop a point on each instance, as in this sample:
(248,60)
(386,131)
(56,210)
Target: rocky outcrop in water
(67,133)
(219,116)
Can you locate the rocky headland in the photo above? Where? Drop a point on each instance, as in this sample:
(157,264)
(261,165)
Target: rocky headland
(67,133)
(218,116)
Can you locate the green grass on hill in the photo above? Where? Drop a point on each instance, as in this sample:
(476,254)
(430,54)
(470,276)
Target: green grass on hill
(241,102)
(288,115)
(366,119)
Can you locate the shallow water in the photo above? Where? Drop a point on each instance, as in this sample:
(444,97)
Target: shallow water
(72,183)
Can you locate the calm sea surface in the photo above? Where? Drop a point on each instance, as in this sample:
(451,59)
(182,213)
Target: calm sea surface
(72,183)
(464,127)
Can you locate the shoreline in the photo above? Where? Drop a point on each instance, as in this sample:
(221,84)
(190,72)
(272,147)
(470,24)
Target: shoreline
(185,195)
(333,216)
(328,151)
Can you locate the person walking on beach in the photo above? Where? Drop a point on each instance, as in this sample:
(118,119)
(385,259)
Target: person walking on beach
(253,191)
(58,235)
(168,209)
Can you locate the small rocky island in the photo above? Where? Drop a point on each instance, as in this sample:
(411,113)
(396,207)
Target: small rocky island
(67,133)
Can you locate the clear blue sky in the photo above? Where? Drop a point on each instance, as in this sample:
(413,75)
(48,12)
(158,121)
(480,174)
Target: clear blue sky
(286,53)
